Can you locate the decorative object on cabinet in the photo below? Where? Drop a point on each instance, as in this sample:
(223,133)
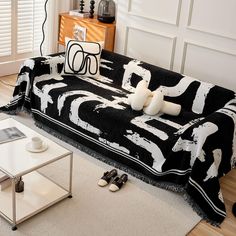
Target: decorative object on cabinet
(91,15)
(79,33)
(106,11)
(81,6)
(95,30)
(79,12)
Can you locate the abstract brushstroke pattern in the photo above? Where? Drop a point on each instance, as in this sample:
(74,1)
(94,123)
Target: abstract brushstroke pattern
(191,151)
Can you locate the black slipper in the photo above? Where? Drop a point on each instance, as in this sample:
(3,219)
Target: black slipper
(118,182)
(106,178)
(234,209)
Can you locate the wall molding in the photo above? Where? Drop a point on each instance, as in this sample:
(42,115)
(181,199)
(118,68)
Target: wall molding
(189,25)
(176,22)
(172,38)
(187,43)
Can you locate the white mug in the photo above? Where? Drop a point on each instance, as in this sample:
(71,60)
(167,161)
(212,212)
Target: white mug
(36,142)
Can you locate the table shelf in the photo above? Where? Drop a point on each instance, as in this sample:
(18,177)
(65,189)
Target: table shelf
(40,191)
(38,194)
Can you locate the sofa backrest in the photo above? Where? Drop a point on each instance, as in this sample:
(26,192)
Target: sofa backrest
(192,94)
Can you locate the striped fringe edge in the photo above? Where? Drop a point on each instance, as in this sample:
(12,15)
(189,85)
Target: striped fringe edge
(164,185)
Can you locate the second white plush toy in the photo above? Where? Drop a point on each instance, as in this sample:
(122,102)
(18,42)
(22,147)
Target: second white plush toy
(151,102)
(139,98)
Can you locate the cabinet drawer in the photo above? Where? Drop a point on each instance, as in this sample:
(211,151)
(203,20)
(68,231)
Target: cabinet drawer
(95,31)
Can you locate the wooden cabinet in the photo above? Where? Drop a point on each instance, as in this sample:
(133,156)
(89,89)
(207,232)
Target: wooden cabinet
(95,30)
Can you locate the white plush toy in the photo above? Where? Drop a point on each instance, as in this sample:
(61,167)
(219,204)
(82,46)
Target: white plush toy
(139,98)
(151,102)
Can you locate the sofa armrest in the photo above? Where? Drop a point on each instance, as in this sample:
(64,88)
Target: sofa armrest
(32,68)
(38,67)
(209,144)
(216,131)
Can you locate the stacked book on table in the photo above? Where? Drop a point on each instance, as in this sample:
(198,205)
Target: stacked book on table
(78,13)
(5,181)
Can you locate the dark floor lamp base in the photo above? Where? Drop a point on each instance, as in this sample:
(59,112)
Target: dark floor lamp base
(234,209)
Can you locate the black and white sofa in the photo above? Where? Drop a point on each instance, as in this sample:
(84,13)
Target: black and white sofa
(186,153)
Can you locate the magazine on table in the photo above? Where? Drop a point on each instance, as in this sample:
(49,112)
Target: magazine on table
(10,134)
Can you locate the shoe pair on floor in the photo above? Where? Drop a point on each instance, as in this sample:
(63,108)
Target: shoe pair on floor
(117,182)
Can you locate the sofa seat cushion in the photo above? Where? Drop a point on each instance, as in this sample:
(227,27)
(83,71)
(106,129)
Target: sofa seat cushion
(101,111)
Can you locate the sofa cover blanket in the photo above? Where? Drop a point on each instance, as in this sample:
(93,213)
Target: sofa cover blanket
(191,151)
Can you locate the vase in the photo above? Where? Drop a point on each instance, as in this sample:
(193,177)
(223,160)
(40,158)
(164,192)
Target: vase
(106,11)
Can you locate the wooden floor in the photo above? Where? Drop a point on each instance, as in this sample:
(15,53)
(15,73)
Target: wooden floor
(5,90)
(228,184)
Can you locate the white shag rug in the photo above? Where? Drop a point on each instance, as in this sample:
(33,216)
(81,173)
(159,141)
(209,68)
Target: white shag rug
(138,209)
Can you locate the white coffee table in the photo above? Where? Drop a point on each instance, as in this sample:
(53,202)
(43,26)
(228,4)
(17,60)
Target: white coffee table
(40,192)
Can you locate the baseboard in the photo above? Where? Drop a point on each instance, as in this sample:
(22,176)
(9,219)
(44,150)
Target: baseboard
(10,67)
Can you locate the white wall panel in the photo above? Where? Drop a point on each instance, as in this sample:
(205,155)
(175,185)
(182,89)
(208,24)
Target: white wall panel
(159,29)
(214,16)
(210,65)
(161,10)
(150,47)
